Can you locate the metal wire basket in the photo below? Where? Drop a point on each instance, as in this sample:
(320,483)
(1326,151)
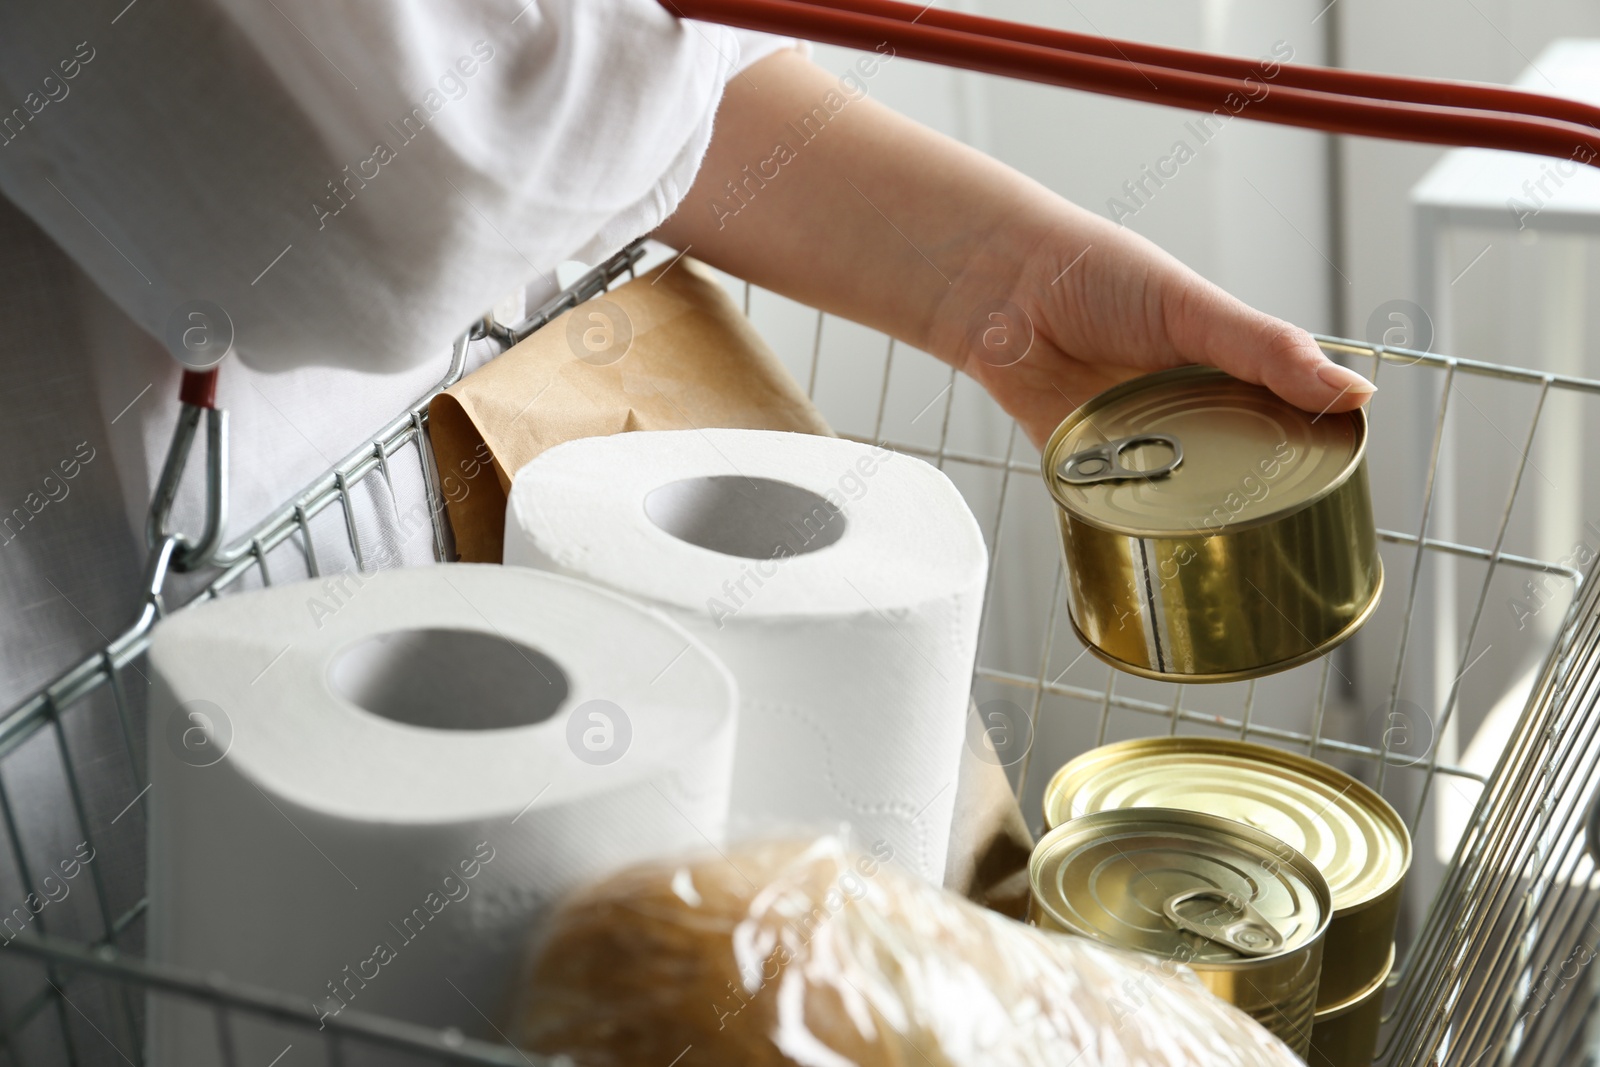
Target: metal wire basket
(1473,989)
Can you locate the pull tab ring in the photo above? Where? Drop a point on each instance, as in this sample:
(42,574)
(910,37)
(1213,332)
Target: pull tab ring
(1103,463)
(1248,933)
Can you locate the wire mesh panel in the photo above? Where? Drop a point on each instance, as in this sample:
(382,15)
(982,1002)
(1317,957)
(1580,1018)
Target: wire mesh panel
(1501,975)
(1474,602)
(1482,579)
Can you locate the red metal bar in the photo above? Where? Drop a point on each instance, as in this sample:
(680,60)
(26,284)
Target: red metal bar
(199,388)
(968,42)
(1321,79)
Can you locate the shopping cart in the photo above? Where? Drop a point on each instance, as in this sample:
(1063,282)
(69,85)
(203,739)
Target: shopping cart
(1495,974)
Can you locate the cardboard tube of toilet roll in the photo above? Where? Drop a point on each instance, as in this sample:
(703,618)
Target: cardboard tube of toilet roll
(666,351)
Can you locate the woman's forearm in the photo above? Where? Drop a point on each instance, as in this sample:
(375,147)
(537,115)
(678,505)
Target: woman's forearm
(812,189)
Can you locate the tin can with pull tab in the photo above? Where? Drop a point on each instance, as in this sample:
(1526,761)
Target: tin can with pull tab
(1212,532)
(1352,835)
(1241,909)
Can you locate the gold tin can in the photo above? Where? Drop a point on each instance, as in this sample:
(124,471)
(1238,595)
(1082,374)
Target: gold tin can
(1241,909)
(1346,1034)
(1346,829)
(1212,532)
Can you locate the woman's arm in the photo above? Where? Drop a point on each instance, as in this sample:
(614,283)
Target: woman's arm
(815,191)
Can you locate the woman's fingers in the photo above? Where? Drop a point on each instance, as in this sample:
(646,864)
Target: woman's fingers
(1206,325)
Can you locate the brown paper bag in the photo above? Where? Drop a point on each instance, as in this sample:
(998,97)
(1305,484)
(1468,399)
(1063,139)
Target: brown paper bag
(666,351)
(989,839)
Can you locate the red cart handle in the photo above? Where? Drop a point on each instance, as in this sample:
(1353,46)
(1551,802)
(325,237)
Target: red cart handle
(1337,101)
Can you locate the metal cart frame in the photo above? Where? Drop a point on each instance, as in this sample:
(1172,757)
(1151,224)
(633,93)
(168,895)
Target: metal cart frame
(1509,904)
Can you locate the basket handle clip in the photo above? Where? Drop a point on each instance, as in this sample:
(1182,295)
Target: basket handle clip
(198,394)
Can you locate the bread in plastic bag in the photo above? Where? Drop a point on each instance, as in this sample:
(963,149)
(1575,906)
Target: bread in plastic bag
(808,953)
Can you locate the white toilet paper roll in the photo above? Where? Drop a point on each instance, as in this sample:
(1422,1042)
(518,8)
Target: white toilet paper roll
(841,584)
(365,789)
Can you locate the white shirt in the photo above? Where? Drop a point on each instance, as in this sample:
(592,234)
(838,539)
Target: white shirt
(352,183)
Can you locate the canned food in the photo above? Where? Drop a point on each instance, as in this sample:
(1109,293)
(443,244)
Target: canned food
(1240,908)
(1346,1034)
(1347,830)
(1211,531)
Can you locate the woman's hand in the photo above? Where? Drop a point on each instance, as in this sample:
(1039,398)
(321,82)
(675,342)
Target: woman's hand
(813,190)
(1045,319)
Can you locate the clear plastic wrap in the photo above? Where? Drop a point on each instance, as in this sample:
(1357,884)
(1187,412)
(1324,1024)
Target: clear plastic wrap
(804,952)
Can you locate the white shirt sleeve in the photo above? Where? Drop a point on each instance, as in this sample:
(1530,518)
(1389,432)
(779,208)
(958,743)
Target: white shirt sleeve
(353,183)
(754,46)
